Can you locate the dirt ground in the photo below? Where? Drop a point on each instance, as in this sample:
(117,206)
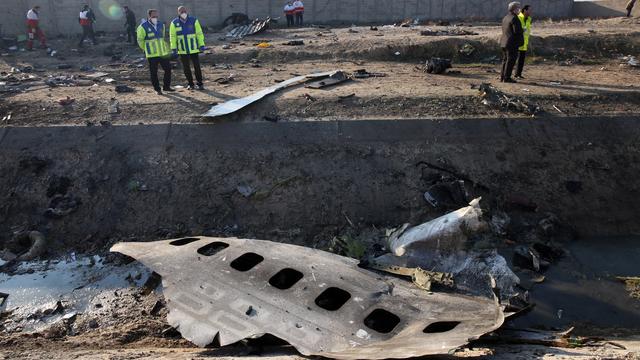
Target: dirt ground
(575,68)
(133,330)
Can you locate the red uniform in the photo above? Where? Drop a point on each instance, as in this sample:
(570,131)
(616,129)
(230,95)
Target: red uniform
(289,11)
(33,29)
(299,11)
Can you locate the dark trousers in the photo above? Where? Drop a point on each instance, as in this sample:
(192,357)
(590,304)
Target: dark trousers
(521,56)
(509,57)
(153,68)
(87,32)
(290,20)
(186,66)
(299,18)
(131,33)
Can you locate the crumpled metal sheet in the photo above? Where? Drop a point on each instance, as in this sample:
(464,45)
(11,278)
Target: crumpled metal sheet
(449,230)
(474,272)
(255,27)
(234,105)
(333,79)
(224,296)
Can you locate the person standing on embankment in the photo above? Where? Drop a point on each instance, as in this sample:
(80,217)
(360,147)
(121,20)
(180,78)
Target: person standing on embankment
(512,38)
(525,21)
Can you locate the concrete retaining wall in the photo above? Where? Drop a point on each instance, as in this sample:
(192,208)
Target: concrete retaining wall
(60,16)
(155,181)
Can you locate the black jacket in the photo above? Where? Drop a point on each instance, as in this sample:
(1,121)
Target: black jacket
(512,33)
(131,18)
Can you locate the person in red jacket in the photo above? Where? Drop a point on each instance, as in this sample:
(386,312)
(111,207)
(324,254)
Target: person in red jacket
(86,20)
(289,12)
(33,28)
(299,11)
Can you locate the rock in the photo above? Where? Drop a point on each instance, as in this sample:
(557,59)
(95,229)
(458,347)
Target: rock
(56,331)
(124,89)
(38,247)
(61,206)
(66,101)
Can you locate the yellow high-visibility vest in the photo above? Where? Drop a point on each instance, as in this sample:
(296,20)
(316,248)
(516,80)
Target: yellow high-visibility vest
(526,27)
(152,40)
(186,36)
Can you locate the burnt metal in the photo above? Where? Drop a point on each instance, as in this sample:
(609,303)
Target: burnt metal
(319,302)
(333,79)
(256,26)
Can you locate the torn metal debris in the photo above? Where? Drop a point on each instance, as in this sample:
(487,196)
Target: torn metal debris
(438,65)
(421,278)
(363,74)
(234,105)
(447,32)
(495,98)
(561,339)
(321,303)
(3,302)
(446,231)
(470,272)
(255,27)
(632,61)
(632,285)
(333,79)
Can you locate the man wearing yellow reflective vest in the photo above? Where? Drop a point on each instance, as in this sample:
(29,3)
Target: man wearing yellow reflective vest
(187,41)
(525,20)
(151,36)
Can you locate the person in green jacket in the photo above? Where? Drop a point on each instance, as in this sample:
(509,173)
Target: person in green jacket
(187,41)
(151,36)
(525,20)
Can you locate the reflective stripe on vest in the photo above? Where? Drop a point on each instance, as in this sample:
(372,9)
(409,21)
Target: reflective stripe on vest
(526,27)
(186,37)
(154,45)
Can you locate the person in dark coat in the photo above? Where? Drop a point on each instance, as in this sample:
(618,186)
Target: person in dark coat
(130,24)
(512,38)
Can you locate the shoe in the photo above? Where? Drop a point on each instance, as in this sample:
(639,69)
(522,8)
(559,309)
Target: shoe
(519,77)
(200,87)
(158,91)
(510,81)
(190,87)
(169,89)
